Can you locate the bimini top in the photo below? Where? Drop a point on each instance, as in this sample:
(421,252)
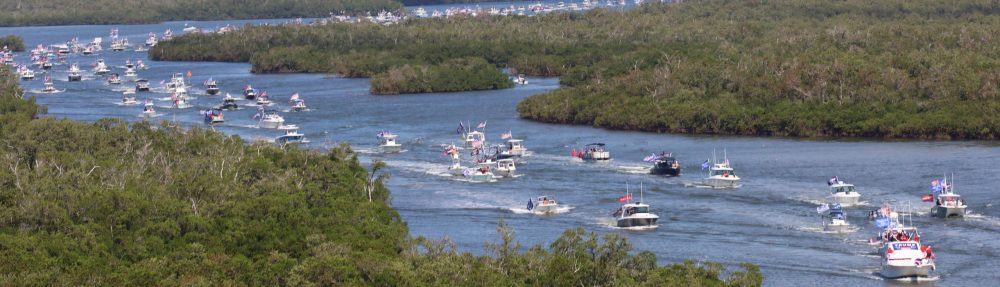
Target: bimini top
(595,144)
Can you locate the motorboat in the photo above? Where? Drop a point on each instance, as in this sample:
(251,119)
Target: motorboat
(74,73)
(211,87)
(180,102)
(269,119)
(46,65)
(634,214)
(130,73)
(664,163)
(480,173)
(843,193)
(181,93)
(593,152)
(148,110)
(505,167)
(249,93)
(142,85)
(168,35)
(213,116)
(114,79)
(722,175)
(128,98)
(906,259)
(514,148)
(151,41)
(27,74)
(100,68)
(470,138)
(49,87)
(947,203)
(89,50)
(229,103)
(176,81)
(291,136)
(420,12)
(834,218)
(520,80)
(387,142)
(543,205)
(189,28)
(263,99)
(129,64)
(298,104)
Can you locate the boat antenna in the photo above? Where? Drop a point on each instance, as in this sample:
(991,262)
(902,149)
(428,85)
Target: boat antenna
(640,192)
(627,192)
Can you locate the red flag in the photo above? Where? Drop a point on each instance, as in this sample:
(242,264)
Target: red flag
(189,74)
(927,198)
(574,152)
(625,198)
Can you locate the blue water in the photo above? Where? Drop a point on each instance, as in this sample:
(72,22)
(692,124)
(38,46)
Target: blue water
(770,221)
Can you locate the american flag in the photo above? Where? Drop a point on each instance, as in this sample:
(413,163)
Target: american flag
(506,135)
(481,125)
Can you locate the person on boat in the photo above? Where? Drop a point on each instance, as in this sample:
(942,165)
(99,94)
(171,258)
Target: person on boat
(929,253)
(904,237)
(725,174)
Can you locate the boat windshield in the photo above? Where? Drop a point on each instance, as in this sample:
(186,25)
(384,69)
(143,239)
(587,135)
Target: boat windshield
(640,209)
(724,173)
(843,189)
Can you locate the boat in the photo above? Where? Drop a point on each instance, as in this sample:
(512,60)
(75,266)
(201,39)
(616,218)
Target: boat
(634,214)
(74,73)
(834,218)
(213,116)
(181,93)
(543,205)
(842,193)
(151,41)
(387,142)
(480,173)
(471,137)
(128,98)
(142,85)
(947,203)
(298,104)
(520,80)
(100,68)
(211,87)
(113,79)
(168,35)
(130,73)
(46,65)
(505,167)
(189,28)
(664,163)
(420,12)
(722,175)
(514,147)
(148,110)
(291,136)
(176,81)
(263,99)
(180,102)
(269,119)
(229,103)
(89,50)
(249,93)
(902,254)
(27,74)
(129,64)
(49,87)
(593,152)
(456,167)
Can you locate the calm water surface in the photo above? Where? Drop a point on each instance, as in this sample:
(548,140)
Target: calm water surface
(770,221)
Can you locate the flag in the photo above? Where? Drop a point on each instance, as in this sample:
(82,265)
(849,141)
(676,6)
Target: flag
(477,144)
(162,81)
(189,74)
(927,197)
(822,208)
(936,186)
(574,154)
(294,97)
(882,222)
(836,206)
(625,198)
(481,125)
(832,180)
(461,128)
(705,165)
(505,135)
(531,205)
(263,94)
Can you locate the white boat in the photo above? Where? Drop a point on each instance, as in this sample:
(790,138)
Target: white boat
(269,119)
(181,93)
(722,175)
(520,80)
(213,116)
(481,173)
(74,73)
(249,93)
(947,203)
(543,205)
(49,87)
(471,137)
(189,28)
(593,152)
(906,259)
(142,85)
(114,79)
(843,193)
(168,35)
(148,110)
(263,99)
(130,73)
(100,68)
(128,98)
(456,167)
(634,215)
(298,104)
(291,136)
(151,41)
(420,12)
(180,102)
(387,142)
(834,218)
(505,167)
(176,81)
(27,74)
(514,148)
(211,87)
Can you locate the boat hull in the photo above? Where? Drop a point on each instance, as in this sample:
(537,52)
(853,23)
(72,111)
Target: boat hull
(722,182)
(545,209)
(270,124)
(897,271)
(391,148)
(212,92)
(665,170)
(846,199)
(837,227)
(947,212)
(637,222)
(481,177)
(75,78)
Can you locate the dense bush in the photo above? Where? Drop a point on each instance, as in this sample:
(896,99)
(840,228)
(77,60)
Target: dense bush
(113,204)
(897,68)
(453,75)
(12,42)
(67,12)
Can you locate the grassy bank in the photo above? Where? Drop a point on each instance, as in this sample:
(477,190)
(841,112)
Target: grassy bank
(116,204)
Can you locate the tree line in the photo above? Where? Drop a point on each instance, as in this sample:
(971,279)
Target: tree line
(12,42)
(143,204)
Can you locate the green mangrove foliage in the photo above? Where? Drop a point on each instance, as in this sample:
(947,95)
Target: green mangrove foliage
(897,68)
(12,42)
(117,204)
(451,76)
(67,12)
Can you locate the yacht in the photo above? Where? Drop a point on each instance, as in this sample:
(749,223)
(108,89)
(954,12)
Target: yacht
(834,219)
(249,93)
(722,175)
(211,87)
(229,103)
(387,142)
(213,116)
(593,152)
(100,68)
(142,85)
(664,163)
(947,203)
(269,119)
(843,193)
(114,79)
(27,74)
(634,214)
(543,205)
(74,73)
(291,136)
(128,98)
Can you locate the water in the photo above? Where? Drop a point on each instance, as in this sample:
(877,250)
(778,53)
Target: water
(770,221)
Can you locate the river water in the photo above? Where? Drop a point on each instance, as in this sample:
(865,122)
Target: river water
(770,221)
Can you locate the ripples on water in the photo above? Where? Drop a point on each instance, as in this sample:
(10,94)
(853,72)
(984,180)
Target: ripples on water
(771,221)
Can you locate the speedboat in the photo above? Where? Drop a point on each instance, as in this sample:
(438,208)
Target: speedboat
(180,102)
(593,152)
(906,259)
(664,163)
(291,136)
(27,74)
(843,193)
(471,137)
(176,81)
(168,35)
(49,87)
(505,167)
(520,80)
(722,175)
(947,203)
(129,64)
(113,79)
(47,65)
(74,73)
(100,68)
(543,205)
(130,73)
(213,116)
(151,41)
(148,110)
(514,148)
(189,29)
(387,142)
(269,119)
(211,87)
(128,98)
(420,12)
(142,85)
(89,50)
(229,103)
(249,93)
(634,215)
(298,104)
(181,93)
(263,99)
(481,173)
(834,220)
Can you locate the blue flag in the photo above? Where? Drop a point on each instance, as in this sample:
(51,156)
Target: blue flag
(705,165)
(882,222)
(461,128)
(531,205)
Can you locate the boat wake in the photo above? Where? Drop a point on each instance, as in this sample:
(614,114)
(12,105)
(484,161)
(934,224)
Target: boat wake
(822,230)
(43,92)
